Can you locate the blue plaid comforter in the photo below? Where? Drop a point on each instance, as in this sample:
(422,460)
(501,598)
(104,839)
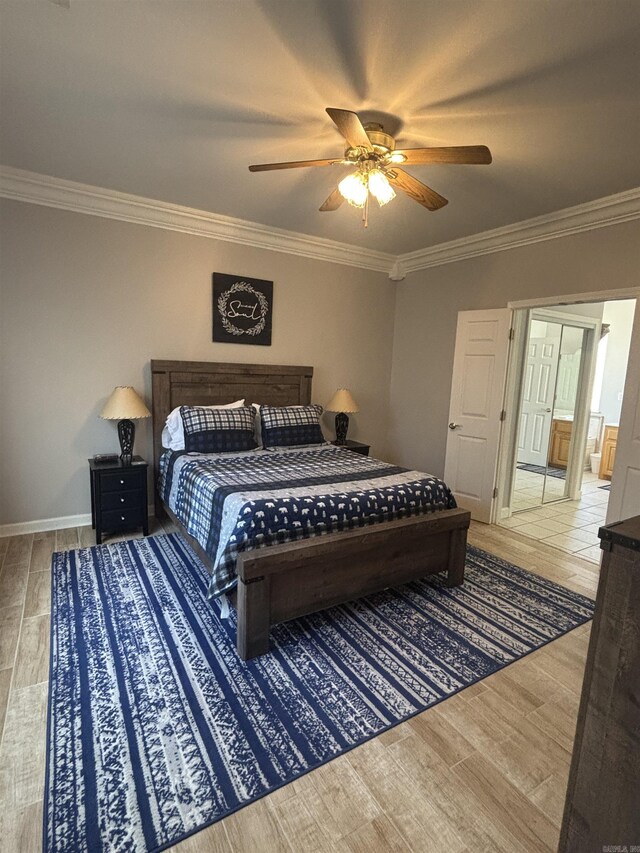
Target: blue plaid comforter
(234,502)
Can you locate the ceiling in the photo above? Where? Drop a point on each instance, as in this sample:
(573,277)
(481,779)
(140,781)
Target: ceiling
(173,100)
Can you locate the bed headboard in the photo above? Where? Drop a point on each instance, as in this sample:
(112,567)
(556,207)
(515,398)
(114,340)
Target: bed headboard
(207,383)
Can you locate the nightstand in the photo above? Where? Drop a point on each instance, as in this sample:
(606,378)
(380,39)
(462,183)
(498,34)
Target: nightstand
(356,446)
(118,497)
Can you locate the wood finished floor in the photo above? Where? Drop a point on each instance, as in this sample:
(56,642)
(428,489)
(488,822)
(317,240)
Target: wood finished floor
(485,770)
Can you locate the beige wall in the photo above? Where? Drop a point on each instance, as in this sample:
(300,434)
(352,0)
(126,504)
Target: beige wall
(87,302)
(427,304)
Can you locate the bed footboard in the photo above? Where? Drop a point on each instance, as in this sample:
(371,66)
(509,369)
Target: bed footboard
(282,582)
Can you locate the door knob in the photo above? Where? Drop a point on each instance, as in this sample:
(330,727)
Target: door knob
(545,410)
(455,426)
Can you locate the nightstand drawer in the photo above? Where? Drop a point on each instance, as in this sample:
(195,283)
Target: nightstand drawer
(118,482)
(122,500)
(121,518)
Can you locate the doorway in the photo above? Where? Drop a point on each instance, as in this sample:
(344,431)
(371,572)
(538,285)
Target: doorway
(569,378)
(483,426)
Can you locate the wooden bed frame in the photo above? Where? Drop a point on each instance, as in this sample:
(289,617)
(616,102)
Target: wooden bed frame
(281,582)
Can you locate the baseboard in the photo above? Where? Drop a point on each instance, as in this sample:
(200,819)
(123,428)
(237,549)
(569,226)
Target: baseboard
(41,525)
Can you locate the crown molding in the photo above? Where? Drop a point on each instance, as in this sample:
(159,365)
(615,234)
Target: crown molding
(21,185)
(398,271)
(610,210)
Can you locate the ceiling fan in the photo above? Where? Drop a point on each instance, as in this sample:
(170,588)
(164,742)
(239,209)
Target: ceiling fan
(373,152)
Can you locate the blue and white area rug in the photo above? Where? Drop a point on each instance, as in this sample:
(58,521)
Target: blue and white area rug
(157,728)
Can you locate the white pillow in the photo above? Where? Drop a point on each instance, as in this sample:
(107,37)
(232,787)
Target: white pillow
(173,431)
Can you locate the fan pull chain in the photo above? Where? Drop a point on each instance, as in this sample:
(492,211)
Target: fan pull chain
(365,212)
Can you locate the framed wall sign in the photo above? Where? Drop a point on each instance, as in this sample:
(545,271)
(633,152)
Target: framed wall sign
(242,309)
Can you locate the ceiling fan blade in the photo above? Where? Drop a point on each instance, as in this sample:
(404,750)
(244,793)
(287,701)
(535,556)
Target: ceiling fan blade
(416,189)
(294,164)
(334,201)
(461,154)
(351,128)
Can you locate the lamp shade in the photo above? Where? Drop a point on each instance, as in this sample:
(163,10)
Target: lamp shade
(342,401)
(124,404)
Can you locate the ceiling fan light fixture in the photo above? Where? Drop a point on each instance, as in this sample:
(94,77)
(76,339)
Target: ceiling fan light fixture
(372,153)
(353,189)
(380,188)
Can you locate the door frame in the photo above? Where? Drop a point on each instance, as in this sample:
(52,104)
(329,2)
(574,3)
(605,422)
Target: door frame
(508,445)
(513,395)
(624,499)
(513,386)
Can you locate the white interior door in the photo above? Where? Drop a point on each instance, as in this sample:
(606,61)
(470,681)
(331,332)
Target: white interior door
(479,372)
(539,383)
(624,501)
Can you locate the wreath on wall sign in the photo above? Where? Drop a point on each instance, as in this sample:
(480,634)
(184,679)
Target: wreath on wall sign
(243,287)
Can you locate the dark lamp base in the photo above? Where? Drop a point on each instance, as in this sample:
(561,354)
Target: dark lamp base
(342,425)
(126,435)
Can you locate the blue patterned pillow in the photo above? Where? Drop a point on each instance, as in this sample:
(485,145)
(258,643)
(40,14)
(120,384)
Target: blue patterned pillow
(218,430)
(284,426)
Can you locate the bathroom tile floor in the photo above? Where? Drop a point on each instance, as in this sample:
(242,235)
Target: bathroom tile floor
(571,526)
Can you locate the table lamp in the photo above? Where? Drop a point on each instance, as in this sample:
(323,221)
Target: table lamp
(342,402)
(123,406)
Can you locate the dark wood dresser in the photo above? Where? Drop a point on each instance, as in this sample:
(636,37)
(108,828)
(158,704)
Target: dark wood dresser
(602,809)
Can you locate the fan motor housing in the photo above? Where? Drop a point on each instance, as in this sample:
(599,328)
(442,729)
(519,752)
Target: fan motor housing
(382,142)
